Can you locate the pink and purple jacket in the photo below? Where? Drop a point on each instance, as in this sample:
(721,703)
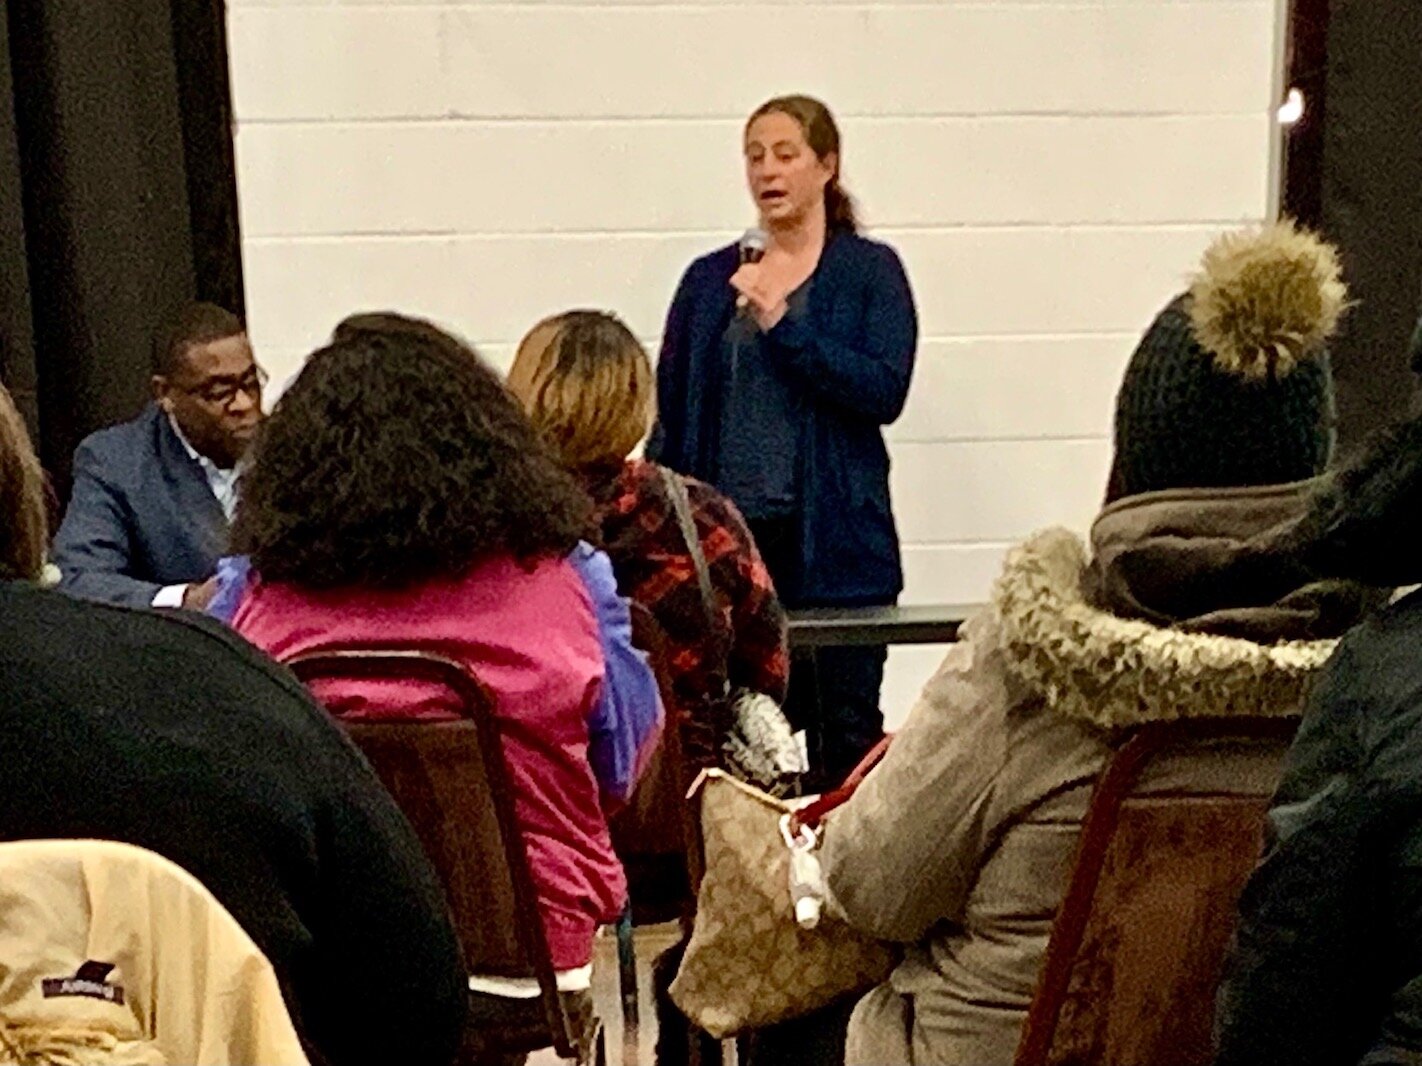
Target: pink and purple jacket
(538,639)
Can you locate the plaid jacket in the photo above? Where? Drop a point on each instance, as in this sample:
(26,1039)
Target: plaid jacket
(654,568)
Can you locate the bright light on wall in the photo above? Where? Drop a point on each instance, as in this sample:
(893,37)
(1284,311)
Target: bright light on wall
(1292,109)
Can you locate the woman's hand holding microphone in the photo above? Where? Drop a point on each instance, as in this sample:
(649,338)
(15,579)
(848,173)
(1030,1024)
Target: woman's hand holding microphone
(759,294)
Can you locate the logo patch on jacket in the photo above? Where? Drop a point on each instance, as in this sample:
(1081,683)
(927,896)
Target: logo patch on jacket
(91,980)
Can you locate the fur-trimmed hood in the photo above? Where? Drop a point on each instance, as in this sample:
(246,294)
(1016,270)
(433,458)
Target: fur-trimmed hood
(1092,664)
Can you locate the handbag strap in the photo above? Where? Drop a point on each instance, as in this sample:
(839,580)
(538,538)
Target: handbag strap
(681,505)
(812,814)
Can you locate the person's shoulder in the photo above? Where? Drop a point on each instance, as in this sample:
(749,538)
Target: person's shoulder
(563,601)
(1374,674)
(545,587)
(723,529)
(123,435)
(125,446)
(149,645)
(594,568)
(1373,681)
(863,251)
(712,502)
(648,480)
(1380,648)
(718,264)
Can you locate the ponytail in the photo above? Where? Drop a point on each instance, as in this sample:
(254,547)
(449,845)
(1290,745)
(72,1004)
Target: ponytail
(840,216)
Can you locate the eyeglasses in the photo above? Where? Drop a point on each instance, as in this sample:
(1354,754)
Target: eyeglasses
(220,392)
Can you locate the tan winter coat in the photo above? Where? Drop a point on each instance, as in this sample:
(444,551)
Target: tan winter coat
(111,955)
(960,844)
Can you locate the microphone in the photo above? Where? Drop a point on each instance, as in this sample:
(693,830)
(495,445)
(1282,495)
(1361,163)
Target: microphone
(752,245)
(752,249)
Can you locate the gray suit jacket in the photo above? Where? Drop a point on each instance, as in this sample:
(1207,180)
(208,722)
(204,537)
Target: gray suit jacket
(141,516)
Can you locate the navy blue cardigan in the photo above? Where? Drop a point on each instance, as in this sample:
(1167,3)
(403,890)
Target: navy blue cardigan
(852,353)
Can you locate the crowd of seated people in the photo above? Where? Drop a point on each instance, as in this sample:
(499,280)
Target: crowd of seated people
(167,731)
(401,496)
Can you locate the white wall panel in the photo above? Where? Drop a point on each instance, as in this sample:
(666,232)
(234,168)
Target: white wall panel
(996,490)
(1049,170)
(969,282)
(482,177)
(538,61)
(1022,387)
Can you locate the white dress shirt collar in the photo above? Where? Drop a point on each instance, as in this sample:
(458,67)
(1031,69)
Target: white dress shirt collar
(223,483)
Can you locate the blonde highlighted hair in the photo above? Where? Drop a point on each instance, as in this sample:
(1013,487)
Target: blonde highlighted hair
(587,385)
(24,523)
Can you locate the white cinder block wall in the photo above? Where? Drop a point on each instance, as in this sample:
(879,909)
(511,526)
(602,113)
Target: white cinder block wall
(1049,171)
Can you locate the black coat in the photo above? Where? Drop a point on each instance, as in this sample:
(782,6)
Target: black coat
(1327,970)
(168,732)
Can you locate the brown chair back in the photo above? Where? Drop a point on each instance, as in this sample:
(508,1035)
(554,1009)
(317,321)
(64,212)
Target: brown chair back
(450,780)
(1137,949)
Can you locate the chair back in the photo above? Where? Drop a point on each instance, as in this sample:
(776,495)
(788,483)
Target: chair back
(1138,947)
(450,780)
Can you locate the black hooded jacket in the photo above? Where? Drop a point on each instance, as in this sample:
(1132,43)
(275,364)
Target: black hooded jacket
(1327,969)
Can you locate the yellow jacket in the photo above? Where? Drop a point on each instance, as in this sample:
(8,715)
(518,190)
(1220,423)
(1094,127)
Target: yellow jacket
(110,954)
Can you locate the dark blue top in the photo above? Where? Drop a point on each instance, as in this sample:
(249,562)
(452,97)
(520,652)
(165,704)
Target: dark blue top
(850,357)
(759,464)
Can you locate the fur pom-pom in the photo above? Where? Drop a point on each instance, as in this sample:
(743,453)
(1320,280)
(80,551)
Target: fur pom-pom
(1266,299)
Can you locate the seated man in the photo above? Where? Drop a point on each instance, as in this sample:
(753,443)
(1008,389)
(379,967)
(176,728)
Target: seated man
(166,732)
(153,498)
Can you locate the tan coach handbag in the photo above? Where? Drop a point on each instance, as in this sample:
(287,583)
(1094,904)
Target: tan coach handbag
(748,963)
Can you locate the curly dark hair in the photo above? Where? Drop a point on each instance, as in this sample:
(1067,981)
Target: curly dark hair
(396,457)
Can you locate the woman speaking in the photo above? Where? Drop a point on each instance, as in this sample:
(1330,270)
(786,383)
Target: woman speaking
(783,358)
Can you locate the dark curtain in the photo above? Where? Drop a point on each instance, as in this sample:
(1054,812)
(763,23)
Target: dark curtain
(1358,174)
(1306,64)
(119,199)
(17,355)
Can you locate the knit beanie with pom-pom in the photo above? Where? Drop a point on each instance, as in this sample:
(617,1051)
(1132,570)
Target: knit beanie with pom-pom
(1231,385)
